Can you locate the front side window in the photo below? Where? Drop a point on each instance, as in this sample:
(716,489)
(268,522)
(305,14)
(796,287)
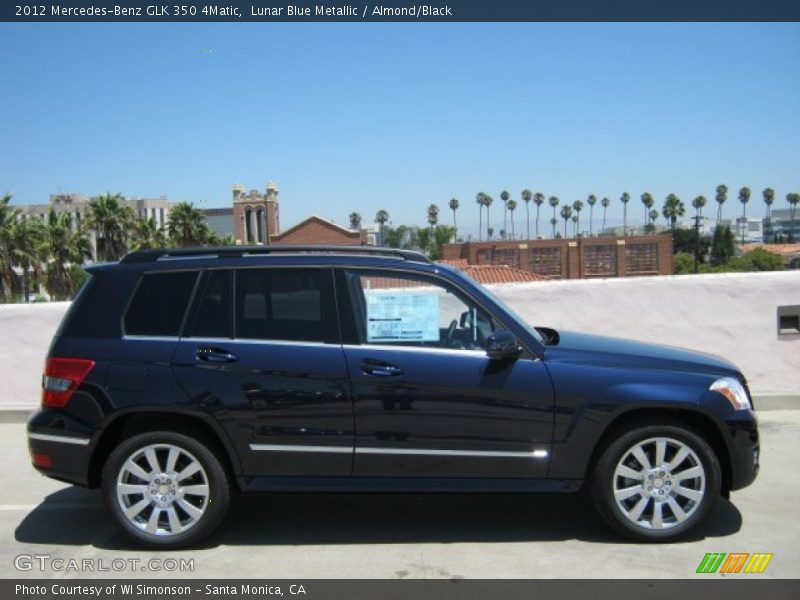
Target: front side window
(411,310)
(285,304)
(159,303)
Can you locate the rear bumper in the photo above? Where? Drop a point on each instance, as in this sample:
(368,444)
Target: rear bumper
(62,446)
(744,448)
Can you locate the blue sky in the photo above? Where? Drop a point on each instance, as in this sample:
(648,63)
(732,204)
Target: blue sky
(398,116)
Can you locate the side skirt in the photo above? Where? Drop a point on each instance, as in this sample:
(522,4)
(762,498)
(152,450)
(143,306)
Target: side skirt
(406,484)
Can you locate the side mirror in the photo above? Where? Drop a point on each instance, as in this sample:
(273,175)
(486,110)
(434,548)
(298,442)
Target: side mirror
(502,344)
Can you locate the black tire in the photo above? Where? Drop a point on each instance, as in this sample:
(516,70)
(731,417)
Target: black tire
(189,529)
(603,480)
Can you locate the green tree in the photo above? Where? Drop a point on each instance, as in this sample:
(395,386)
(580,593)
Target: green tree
(9,281)
(793,200)
(487,201)
(355,220)
(187,226)
(538,200)
(453,204)
(625,198)
(147,235)
(720,197)
(577,206)
(512,206)
(110,219)
(722,247)
(527,196)
(651,226)
(566,213)
(672,209)
(591,201)
(769,197)
(61,247)
(479,199)
(698,203)
(433,217)
(758,259)
(490,232)
(647,202)
(381,218)
(504,197)
(553,201)
(605,202)
(744,198)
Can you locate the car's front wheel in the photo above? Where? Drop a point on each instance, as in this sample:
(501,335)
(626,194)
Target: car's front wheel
(656,482)
(165,489)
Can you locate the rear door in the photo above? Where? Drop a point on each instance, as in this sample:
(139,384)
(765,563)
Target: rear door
(261,350)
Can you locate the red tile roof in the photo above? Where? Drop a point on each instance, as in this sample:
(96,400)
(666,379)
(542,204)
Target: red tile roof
(494,273)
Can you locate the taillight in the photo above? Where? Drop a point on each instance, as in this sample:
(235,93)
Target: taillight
(61,378)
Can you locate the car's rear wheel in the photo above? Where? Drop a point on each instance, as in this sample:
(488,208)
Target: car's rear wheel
(165,489)
(656,482)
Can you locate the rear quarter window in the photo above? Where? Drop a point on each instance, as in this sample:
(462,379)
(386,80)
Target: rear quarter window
(159,304)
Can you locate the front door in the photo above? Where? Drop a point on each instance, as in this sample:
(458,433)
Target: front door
(261,351)
(428,401)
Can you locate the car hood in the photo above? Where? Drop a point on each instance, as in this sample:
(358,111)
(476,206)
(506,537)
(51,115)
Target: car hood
(598,350)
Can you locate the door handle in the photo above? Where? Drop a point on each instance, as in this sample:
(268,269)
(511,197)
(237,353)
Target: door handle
(378,368)
(218,355)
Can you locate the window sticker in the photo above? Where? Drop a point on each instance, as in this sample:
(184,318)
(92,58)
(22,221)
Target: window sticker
(401,316)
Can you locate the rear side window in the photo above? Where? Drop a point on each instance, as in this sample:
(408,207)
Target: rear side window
(285,304)
(159,303)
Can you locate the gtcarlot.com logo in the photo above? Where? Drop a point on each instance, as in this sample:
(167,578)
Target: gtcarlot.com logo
(735,562)
(45,562)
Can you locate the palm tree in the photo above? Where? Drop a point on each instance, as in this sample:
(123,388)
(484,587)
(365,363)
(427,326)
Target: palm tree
(647,201)
(625,198)
(722,195)
(355,220)
(591,201)
(147,235)
(381,217)
(554,222)
(9,281)
(479,200)
(490,231)
(186,225)
(653,216)
(574,220)
(487,202)
(504,196)
(578,206)
(453,204)
(553,201)
(566,213)
(538,200)
(792,199)
(672,209)
(744,198)
(111,219)
(26,237)
(61,247)
(512,206)
(605,202)
(527,196)
(698,203)
(769,198)
(433,217)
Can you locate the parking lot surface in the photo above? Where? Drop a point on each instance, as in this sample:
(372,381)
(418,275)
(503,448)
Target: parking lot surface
(398,536)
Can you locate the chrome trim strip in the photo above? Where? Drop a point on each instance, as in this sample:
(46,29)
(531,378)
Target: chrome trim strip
(539,453)
(479,453)
(290,448)
(63,439)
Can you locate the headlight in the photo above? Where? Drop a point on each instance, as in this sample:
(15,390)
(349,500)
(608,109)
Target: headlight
(733,391)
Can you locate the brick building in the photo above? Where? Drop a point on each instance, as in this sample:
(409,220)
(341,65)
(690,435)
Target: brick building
(316,230)
(573,259)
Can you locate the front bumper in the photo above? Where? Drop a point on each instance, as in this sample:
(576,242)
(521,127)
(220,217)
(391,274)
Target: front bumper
(62,446)
(744,448)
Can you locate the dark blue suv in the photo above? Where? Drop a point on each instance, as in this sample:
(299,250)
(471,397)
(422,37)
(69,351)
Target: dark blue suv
(180,376)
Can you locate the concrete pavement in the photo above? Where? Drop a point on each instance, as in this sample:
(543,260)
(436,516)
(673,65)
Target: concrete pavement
(400,536)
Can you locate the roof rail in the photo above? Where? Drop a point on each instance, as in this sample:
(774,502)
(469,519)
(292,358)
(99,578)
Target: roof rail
(145,256)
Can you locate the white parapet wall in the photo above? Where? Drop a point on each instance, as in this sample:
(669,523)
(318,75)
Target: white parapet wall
(733,315)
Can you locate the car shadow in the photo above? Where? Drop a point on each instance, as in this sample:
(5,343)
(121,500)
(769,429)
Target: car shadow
(76,516)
